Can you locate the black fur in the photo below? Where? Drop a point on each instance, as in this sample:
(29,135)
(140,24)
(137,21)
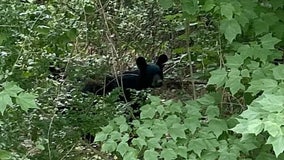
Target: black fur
(147,76)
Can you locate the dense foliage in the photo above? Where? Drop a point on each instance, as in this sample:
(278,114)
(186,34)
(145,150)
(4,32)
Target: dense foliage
(49,49)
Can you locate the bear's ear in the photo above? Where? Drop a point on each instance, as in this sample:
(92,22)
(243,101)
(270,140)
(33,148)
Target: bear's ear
(161,60)
(141,63)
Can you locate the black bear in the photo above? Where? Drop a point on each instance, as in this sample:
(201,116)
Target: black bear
(148,75)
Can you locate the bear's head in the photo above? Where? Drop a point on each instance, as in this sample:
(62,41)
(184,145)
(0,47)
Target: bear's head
(151,74)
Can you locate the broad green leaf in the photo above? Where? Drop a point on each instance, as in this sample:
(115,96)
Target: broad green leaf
(277,143)
(168,154)
(166,4)
(254,126)
(209,4)
(120,120)
(226,156)
(217,126)
(278,72)
(5,100)
(154,143)
(234,61)
(192,123)
(212,112)
(12,89)
(144,132)
(151,155)
(131,154)
(197,146)
(101,136)
(177,131)
(271,102)
(115,135)
(109,146)
(242,19)
(272,128)
(122,148)
(5,155)
(245,73)
(262,84)
(175,107)
(182,151)
(123,127)
(159,128)
(260,26)
(218,77)
(147,111)
(26,101)
(227,10)
(107,129)
(190,7)
(140,142)
(172,119)
(268,42)
(231,28)
(234,84)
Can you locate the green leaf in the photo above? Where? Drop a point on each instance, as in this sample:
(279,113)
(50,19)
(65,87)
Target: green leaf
(175,107)
(197,145)
(101,136)
(226,156)
(148,111)
(5,155)
(262,84)
(115,135)
(182,151)
(166,4)
(144,132)
(130,155)
(212,112)
(168,154)
(272,128)
(123,127)
(190,7)
(271,102)
(234,61)
(277,143)
(151,155)
(217,126)
(218,77)
(120,120)
(227,10)
(72,34)
(278,72)
(26,101)
(268,42)
(3,37)
(234,84)
(192,123)
(12,89)
(154,143)
(159,128)
(5,100)
(209,4)
(140,142)
(109,146)
(231,28)
(172,119)
(260,26)
(122,148)
(177,131)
